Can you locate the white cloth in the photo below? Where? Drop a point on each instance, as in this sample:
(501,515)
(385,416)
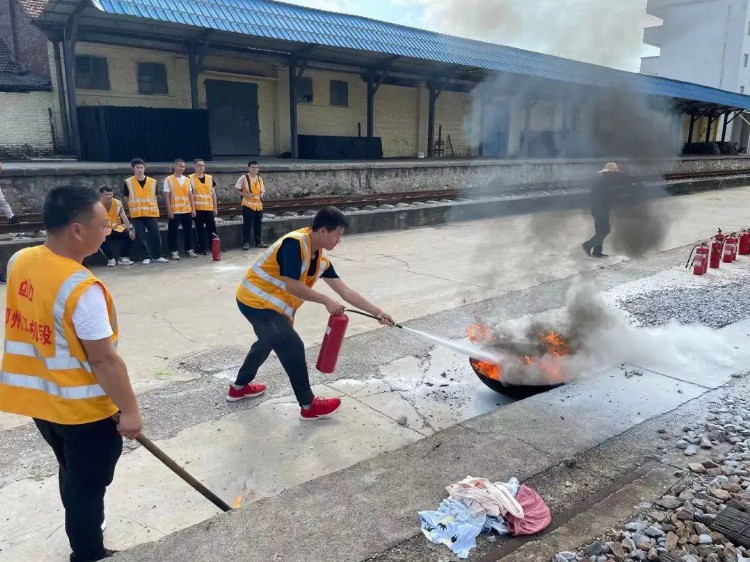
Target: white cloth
(181,180)
(482,496)
(5,206)
(91,317)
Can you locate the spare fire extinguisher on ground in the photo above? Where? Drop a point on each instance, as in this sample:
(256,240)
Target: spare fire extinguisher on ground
(216,248)
(699,255)
(730,245)
(717,247)
(744,246)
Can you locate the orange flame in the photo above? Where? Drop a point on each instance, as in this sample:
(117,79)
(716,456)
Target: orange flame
(237,502)
(478,333)
(555,347)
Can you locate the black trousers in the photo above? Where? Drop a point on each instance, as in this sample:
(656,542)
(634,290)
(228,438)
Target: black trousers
(121,238)
(251,222)
(150,224)
(601,228)
(205,225)
(184,220)
(87,455)
(276,333)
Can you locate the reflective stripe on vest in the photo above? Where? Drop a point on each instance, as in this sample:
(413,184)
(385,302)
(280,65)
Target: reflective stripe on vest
(142,200)
(180,195)
(251,198)
(113,215)
(263,286)
(203,192)
(66,392)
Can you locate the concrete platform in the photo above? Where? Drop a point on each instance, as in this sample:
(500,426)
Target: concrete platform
(183,339)
(25,183)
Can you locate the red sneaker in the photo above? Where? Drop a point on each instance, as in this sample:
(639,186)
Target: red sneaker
(248,391)
(320,408)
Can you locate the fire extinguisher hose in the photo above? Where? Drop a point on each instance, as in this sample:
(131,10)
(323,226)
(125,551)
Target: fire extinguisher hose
(368,316)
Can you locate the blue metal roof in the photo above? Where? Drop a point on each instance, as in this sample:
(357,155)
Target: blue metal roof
(277,20)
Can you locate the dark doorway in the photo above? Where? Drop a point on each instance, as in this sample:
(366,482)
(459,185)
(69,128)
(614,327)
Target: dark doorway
(496,128)
(233,118)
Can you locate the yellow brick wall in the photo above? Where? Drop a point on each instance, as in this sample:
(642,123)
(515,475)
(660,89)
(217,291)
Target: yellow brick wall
(397,120)
(123,77)
(321,118)
(453,112)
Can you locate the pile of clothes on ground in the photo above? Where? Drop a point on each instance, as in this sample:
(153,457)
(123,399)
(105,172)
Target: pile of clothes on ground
(476,505)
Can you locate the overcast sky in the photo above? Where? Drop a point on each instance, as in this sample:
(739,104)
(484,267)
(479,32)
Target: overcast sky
(607,32)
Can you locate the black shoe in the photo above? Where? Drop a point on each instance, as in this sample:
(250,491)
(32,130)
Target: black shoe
(106,553)
(586,249)
(246,246)
(261,245)
(204,252)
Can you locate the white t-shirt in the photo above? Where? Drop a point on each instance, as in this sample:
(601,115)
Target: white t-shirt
(181,180)
(91,317)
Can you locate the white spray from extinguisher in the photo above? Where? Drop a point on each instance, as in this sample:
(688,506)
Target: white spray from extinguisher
(464,348)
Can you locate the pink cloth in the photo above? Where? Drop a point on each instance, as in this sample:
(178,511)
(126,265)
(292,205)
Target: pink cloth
(537,516)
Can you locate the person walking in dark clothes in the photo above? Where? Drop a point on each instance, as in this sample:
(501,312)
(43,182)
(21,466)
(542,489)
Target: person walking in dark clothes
(206,206)
(607,190)
(253,192)
(140,195)
(66,373)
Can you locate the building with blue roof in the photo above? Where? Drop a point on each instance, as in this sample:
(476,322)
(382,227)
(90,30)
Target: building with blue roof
(189,78)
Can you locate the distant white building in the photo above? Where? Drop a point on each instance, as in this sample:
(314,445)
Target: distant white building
(704,42)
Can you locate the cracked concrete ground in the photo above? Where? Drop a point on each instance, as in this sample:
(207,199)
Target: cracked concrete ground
(183,346)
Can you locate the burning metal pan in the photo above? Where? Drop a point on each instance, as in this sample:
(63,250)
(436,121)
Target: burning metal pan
(517,391)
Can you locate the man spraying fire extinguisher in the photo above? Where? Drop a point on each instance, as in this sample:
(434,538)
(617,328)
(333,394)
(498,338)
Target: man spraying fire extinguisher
(276,285)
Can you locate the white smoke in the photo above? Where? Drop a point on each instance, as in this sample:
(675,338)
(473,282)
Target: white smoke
(602,32)
(601,336)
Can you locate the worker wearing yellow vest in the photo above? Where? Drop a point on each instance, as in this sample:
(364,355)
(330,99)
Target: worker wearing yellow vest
(60,363)
(253,192)
(178,193)
(206,206)
(277,284)
(140,195)
(120,230)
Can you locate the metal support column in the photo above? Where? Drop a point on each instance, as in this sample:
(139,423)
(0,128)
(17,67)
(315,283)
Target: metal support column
(69,52)
(67,140)
(527,127)
(293,108)
(692,128)
(194,70)
(370,105)
(435,91)
(711,121)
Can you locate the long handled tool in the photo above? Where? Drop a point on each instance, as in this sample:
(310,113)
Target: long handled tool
(181,472)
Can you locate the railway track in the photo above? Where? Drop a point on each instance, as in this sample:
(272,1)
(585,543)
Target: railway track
(32,222)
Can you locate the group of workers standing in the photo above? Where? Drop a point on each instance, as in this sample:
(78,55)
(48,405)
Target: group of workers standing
(188,200)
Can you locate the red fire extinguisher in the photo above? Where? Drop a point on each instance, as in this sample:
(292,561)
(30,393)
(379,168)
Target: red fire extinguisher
(717,246)
(334,337)
(216,248)
(744,247)
(730,244)
(699,254)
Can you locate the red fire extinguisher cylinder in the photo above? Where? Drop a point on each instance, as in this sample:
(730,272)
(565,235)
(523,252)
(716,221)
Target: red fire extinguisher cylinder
(700,264)
(730,245)
(332,341)
(216,248)
(744,247)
